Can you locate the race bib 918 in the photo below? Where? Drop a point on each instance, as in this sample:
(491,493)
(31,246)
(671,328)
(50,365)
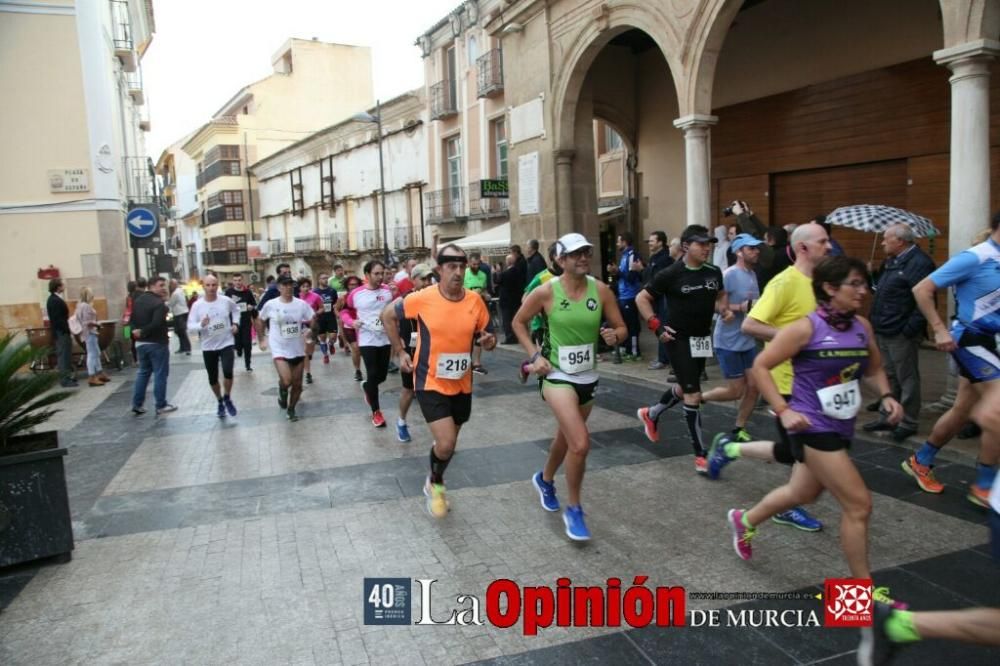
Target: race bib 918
(701,347)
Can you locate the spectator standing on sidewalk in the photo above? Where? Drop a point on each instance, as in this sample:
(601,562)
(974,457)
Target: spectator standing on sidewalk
(511,287)
(659,258)
(179,309)
(62,340)
(149,329)
(536,262)
(628,274)
(899,326)
(87,316)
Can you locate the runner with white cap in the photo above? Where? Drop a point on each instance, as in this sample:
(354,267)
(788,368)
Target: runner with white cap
(573,304)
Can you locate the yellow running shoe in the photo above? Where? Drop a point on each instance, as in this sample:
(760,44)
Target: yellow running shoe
(437,503)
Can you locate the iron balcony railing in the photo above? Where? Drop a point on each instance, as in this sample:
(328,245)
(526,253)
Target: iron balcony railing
(121,25)
(490,72)
(404,238)
(480,206)
(276,247)
(217,169)
(443,99)
(307,244)
(444,205)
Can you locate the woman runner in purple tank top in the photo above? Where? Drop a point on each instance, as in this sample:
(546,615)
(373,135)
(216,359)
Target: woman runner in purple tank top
(831,350)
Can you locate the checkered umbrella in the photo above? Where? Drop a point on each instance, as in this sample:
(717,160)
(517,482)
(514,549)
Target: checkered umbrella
(877,219)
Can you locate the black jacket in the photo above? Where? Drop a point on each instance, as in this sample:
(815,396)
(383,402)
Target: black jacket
(894,311)
(149,315)
(511,286)
(536,264)
(58,313)
(657,263)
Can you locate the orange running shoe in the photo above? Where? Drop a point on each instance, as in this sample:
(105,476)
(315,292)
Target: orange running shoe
(979,496)
(923,474)
(648,424)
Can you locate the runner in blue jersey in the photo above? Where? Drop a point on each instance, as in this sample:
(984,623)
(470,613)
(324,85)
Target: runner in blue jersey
(975,275)
(831,350)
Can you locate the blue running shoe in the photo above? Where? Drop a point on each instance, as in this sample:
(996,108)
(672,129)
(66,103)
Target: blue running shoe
(717,458)
(402,432)
(799,519)
(323,348)
(221,412)
(546,492)
(230,407)
(576,529)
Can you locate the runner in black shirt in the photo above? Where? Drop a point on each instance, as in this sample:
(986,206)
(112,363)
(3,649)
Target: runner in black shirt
(245,301)
(694,292)
(326,320)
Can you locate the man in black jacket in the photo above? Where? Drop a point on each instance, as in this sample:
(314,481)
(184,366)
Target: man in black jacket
(899,327)
(149,329)
(536,262)
(58,313)
(659,258)
(511,286)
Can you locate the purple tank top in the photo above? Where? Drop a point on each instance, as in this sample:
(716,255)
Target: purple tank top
(827,375)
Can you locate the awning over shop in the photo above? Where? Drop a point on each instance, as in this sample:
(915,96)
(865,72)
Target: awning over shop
(497,238)
(610,210)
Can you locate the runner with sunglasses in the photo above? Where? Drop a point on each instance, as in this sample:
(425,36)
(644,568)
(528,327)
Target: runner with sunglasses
(572,305)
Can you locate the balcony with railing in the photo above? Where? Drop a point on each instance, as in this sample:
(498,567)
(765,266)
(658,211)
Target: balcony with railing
(404,237)
(217,169)
(133,83)
(490,73)
(307,244)
(139,175)
(275,247)
(484,207)
(121,35)
(443,99)
(445,205)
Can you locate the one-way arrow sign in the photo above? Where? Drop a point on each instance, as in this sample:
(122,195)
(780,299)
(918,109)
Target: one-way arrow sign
(141,222)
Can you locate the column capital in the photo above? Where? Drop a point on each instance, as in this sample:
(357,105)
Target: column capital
(981,49)
(695,121)
(564,155)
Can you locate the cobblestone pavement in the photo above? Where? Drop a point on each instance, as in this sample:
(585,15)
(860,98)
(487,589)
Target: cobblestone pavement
(246,540)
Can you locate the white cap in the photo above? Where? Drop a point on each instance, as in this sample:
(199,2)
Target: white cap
(571,243)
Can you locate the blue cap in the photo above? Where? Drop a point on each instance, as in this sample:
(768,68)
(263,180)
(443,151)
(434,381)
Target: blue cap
(744,240)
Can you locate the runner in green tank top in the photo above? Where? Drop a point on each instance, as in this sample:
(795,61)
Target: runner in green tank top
(573,305)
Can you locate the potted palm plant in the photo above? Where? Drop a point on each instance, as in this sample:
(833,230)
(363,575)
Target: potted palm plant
(35,519)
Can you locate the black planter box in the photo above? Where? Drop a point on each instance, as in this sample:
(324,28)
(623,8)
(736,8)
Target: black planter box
(35,521)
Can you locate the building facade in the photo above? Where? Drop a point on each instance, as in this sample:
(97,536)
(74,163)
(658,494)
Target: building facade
(320,198)
(718,100)
(467,137)
(177,176)
(72,125)
(313,84)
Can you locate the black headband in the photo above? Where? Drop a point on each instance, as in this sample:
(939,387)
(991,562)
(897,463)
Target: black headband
(448,258)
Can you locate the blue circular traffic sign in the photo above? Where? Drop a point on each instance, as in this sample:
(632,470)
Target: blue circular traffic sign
(141,222)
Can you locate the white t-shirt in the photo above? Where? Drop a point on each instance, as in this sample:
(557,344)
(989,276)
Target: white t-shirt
(288,323)
(178,302)
(400,275)
(222,314)
(369,304)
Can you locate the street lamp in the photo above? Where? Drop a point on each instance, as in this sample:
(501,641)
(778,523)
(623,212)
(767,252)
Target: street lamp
(366,117)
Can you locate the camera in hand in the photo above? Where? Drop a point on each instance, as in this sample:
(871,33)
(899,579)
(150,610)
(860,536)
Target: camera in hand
(727,211)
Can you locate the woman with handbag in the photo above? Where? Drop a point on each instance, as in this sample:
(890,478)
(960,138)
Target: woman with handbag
(84,324)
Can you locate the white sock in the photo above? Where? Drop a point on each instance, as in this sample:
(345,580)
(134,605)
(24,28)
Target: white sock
(401,422)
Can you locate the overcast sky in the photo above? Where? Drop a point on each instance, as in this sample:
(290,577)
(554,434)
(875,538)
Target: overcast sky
(204,51)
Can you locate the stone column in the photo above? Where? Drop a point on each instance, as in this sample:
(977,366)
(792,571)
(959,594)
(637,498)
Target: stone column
(969,197)
(698,160)
(565,220)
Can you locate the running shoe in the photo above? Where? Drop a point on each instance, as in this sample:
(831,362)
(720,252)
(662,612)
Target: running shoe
(249,369)
(546,492)
(138,411)
(522,373)
(979,496)
(333,350)
(402,432)
(717,458)
(437,502)
(309,378)
(230,407)
(701,465)
(741,534)
(221,411)
(799,519)
(377,419)
(323,348)
(283,398)
(357,376)
(875,646)
(166,409)
(480,370)
(326,359)
(648,424)
(291,415)
(741,435)
(923,474)
(576,528)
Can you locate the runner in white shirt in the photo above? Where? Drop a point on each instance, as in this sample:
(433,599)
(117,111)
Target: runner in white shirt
(216,319)
(289,319)
(368,301)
